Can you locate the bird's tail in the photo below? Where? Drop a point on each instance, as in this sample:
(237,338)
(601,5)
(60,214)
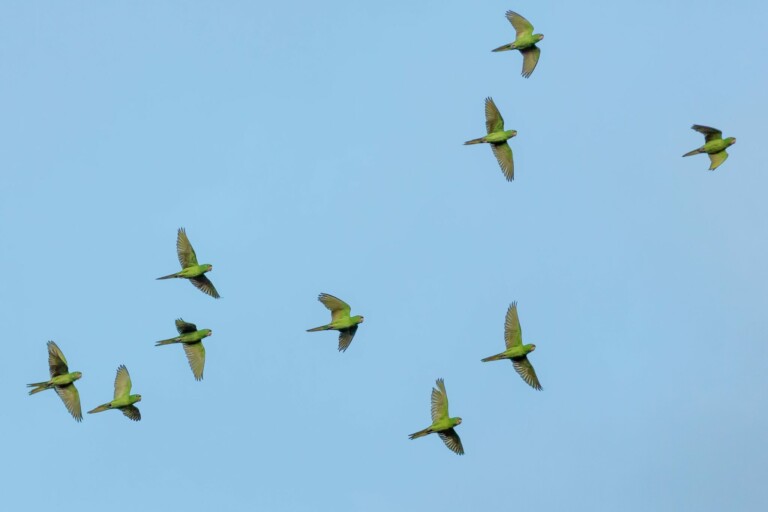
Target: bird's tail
(166,342)
(103,407)
(321,328)
(39,386)
(475,141)
(169,276)
(694,152)
(504,48)
(497,357)
(420,433)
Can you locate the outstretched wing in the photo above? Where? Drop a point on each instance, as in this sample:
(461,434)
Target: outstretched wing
(122,382)
(196,357)
(493,120)
(184,250)
(132,412)
(439,402)
(339,309)
(57,363)
(530,59)
(71,399)
(522,26)
(503,154)
(716,159)
(524,367)
(513,335)
(709,132)
(345,337)
(205,285)
(452,440)
(184,327)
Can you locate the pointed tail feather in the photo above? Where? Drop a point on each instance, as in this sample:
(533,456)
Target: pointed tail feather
(504,48)
(694,152)
(169,276)
(475,141)
(39,386)
(166,342)
(103,407)
(420,433)
(497,357)
(321,328)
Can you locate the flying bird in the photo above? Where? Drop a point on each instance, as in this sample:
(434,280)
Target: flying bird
(190,269)
(340,320)
(516,351)
(123,399)
(442,423)
(61,380)
(497,137)
(191,338)
(525,42)
(714,145)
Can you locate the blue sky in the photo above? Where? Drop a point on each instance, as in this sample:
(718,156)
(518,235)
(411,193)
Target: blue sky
(317,147)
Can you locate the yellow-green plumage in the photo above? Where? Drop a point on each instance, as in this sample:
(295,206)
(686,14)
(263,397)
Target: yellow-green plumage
(516,351)
(191,338)
(62,381)
(442,424)
(123,400)
(190,268)
(340,320)
(714,145)
(497,137)
(525,41)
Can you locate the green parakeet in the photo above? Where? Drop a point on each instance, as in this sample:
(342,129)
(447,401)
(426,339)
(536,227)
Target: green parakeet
(442,423)
(516,351)
(61,380)
(191,338)
(190,269)
(497,137)
(123,399)
(340,320)
(714,145)
(525,41)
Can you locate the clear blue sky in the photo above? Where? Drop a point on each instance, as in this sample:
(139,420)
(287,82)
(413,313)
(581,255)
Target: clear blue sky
(315,147)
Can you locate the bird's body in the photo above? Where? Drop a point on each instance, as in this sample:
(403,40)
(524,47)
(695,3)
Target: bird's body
(714,145)
(497,137)
(516,351)
(340,320)
(190,268)
(525,41)
(62,380)
(191,337)
(123,399)
(442,424)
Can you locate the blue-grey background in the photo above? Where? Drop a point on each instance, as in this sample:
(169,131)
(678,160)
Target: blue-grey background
(315,147)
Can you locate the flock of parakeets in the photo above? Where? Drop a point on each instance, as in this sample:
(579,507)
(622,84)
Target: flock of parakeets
(63,381)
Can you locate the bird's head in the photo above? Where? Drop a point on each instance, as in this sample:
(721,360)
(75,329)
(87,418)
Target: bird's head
(208,267)
(458,421)
(138,398)
(513,133)
(77,375)
(731,140)
(359,318)
(533,347)
(208,333)
(539,37)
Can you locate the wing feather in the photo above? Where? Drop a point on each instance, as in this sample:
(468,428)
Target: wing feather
(493,120)
(196,357)
(525,369)
(513,335)
(522,26)
(57,363)
(122,382)
(345,337)
(184,250)
(205,285)
(71,398)
(452,441)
